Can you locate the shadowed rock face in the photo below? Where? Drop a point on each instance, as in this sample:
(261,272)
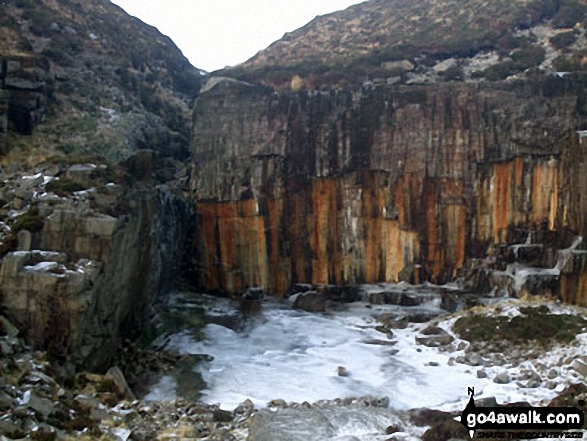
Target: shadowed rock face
(92,79)
(351,187)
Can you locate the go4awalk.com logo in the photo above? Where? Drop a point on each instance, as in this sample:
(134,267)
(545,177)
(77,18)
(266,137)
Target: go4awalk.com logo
(521,422)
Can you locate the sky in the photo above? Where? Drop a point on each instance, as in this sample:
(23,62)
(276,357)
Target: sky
(214,34)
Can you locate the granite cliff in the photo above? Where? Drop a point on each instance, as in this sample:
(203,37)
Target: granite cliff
(436,163)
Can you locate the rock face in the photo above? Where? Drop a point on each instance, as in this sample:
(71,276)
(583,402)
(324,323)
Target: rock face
(66,69)
(3,121)
(95,286)
(343,188)
(26,79)
(83,79)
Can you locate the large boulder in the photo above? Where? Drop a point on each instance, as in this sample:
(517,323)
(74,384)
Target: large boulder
(311,301)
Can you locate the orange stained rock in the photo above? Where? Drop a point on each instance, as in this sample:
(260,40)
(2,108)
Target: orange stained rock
(544,193)
(573,287)
(279,266)
(232,244)
(501,202)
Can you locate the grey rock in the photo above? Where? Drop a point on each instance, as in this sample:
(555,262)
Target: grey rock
(311,301)
(5,401)
(245,408)
(7,327)
(116,375)
(580,366)
(31,181)
(486,402)
(25,240)
(474,359)
(435,341)
(277,403)
(533,384)
(552,374)
(87,402)
(6,348)
(461,359)
(41,406)
(502,378)
(398,66)
(382,402)
(481,374)
(9,430)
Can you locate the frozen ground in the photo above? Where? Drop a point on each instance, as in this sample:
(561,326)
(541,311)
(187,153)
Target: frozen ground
(294,355)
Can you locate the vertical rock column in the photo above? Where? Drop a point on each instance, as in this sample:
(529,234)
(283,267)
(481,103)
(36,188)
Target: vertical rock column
(3,122)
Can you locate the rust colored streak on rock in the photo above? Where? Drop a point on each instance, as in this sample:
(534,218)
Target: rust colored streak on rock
(434,253)
(501,201)
(279,265)
(208,270)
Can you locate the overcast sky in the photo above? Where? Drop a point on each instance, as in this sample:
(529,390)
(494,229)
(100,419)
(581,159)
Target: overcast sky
(213,34)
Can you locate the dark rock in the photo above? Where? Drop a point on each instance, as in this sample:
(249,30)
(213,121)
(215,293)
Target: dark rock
(435,337)
(41,406)
(5,401)
(435,340)
(245,408)
(427,417)
(486,402)
(445,430)
(311,301)
(277,403)
(116,375)
(222,416)
(8,328)
(11,430)
(392,429)
(433,330)
(392,321)
(254,294)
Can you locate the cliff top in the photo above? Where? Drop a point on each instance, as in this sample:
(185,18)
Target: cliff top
(385,38)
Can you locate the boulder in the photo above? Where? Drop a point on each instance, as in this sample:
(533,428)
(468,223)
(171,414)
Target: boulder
(8,328)
(580,366)
(311,301)
(435,341)
(397,67)
(502,378)
(116,375)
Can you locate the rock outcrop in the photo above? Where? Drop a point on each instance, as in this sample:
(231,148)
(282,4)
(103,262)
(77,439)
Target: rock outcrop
(88,244)
(27,81)
(347,187)
(3,121)
(108,252)
(92,79)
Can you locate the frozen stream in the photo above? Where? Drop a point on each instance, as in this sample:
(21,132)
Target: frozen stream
(294,355)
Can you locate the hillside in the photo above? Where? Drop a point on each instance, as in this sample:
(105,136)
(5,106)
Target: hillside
(429,41)
(84,77)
